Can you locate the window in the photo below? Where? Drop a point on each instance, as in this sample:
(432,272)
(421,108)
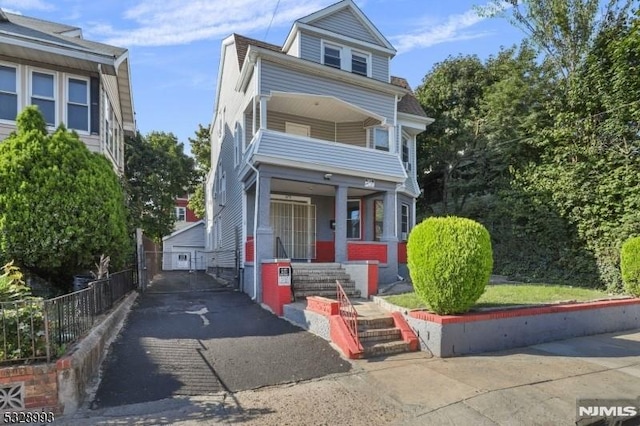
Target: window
(353,219)
(223,189)
(181,214)
(406,160)
(359,64)
(8,93)
(42,95)
(381,138)
(237,145)
(378,214)
(78,104)
(332,56)
(217,233)
(404,222)
(108,124)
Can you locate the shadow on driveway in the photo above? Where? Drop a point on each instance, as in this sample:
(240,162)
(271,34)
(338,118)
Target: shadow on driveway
(192,342)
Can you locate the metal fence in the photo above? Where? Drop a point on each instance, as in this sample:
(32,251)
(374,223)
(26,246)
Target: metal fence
(42,329)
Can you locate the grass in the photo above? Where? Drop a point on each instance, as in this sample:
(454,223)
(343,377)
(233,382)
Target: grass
(505,295)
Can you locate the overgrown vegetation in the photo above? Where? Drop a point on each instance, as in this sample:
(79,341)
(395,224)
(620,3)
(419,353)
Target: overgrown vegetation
(630,266)
(450,261)
(541,143)
(60,205)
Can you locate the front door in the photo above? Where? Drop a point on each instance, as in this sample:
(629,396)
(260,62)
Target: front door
(183,261)
(294,227)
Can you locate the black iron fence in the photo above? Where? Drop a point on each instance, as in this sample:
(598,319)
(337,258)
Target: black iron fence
(39,329)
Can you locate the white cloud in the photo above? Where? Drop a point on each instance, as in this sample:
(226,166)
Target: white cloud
(26,4)
(455,28)
(175,22)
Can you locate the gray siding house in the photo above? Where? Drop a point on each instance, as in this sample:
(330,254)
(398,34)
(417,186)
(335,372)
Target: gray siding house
(313,150)
(76,82)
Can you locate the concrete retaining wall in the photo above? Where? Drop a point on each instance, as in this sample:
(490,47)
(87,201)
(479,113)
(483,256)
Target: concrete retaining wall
(447,336)
(314,322)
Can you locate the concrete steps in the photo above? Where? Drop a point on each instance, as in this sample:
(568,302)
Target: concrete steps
(319,279)
(378,333)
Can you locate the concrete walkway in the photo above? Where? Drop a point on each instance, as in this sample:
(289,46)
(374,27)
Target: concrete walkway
(537,385)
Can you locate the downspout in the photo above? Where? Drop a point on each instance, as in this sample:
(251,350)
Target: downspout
(255,231)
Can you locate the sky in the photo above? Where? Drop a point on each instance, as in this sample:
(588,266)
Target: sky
(174,45)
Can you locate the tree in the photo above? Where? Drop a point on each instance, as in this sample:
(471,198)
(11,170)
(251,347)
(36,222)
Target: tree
(201,149)
(61,206)
(157,171)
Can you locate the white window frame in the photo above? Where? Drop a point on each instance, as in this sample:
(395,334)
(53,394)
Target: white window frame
(181,211)
(405,141)
(373,141)
(346,57)
(333,46)
(223,189)
(359,201)
(68,102)
(291,128)
(55,99)
(404,232)
(17,90)
(237,144)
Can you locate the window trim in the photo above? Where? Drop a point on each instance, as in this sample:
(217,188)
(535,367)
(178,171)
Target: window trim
(359,201)
(337,47)
(55,99)
(365,55)
(183,210)
(405,142)
(346,57)
(88,104)
(374,144)
(17,92)
(404,232)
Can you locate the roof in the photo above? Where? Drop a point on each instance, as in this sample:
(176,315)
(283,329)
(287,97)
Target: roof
(183,230)
(408,104)
(242,45)
(52,32)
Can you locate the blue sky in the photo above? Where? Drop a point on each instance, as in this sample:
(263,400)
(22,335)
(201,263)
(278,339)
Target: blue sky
(175,44)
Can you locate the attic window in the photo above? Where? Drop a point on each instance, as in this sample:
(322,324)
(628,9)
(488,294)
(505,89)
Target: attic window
(332,56)
(358,64)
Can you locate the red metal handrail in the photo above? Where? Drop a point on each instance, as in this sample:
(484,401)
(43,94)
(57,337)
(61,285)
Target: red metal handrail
(347,312)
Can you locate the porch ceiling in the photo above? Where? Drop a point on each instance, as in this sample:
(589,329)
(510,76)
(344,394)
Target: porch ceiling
(308,188)
(327,108)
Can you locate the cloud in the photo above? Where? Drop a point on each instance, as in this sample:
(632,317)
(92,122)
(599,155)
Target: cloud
(176,22)
(455,28)
(26,4)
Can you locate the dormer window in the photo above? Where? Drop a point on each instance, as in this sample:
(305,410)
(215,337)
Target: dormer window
(359,63)
(332,56)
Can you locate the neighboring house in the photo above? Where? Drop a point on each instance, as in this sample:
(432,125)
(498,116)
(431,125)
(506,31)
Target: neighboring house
(184,249)
(313,149)
(184,215)
(76,82)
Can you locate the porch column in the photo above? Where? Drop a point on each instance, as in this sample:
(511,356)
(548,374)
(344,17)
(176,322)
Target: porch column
(263,239)
(340,239)
(389,235)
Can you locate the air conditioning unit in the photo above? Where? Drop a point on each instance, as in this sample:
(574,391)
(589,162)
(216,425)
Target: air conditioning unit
(407,166)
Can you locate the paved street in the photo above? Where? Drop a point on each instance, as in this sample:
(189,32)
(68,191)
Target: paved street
(236,363)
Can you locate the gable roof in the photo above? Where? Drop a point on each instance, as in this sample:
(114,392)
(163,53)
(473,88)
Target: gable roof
(408,103)
(350,6)
(183,230)
(242,45)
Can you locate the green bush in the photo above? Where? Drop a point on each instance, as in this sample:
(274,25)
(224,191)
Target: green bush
(450,261)
(630,266)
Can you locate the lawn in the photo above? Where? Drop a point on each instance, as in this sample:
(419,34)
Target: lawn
(505,295)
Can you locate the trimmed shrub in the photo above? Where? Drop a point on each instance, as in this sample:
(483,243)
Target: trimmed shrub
(630,266)
(450,261)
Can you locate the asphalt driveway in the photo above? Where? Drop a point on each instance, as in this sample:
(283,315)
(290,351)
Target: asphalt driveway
(189,335)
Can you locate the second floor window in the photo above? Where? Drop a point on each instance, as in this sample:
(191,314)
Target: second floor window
(358,64)
(181,214)
(332,56)
(405,154)
(78,105)
(42,95)
(404,222)
(381,139)
(8,93)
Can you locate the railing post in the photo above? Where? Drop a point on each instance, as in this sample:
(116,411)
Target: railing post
(47,341)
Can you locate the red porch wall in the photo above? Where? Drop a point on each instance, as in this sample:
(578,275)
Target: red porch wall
(325,251)
(367,251)
(249,250)
(402,252)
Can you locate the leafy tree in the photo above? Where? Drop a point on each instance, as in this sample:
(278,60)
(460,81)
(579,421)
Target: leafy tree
(157,171)
(201,149)
(61,206)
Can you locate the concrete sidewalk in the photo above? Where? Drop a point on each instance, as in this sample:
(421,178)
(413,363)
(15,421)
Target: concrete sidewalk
(537,385)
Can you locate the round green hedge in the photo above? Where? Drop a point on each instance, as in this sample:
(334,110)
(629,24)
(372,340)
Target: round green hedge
(630,266)
(450,261)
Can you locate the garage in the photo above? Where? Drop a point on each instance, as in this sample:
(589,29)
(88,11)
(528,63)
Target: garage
(184,249)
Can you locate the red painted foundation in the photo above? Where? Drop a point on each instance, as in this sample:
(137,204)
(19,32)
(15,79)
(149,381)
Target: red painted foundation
(275,294)
(407,333)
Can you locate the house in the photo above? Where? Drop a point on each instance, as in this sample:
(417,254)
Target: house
(313,150)
(184,249)
(76,82)
(184,215)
